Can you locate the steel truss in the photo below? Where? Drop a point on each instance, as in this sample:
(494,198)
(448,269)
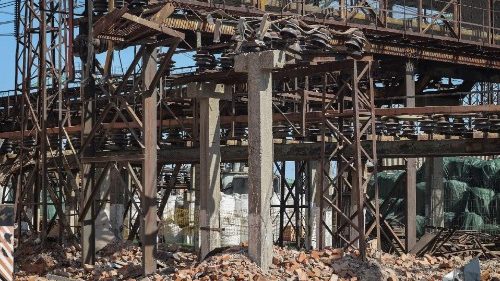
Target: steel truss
(294,205)
(141,126)
(355,94)
(330,102)
(41,78)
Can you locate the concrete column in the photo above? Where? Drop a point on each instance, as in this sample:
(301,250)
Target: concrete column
(237,167)
(70,206)
(411,203)
(411,168)
(354,234)
(103,229)
(189,206)
(117,202)
(260,146)
(435,192)
(314,218)
(209,175)
(208,95)
(126,199)
(410,83)
(195,185)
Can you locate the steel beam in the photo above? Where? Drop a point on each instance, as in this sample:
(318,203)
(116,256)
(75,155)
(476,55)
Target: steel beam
(310,151)
(312,116)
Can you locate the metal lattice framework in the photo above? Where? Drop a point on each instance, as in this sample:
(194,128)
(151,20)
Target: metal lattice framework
(348,118)
(42,76)
(339,101)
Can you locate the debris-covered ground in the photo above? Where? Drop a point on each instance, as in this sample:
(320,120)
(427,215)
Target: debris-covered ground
(122,261)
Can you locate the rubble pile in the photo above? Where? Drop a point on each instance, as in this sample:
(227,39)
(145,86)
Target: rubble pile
(409,267)
(329,264)
(118,261)
(234,264)
(122,261)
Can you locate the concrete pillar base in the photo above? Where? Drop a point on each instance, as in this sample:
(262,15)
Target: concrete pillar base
(260,136)
(208,95)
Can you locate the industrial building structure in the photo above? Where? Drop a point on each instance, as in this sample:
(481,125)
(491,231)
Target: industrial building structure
(102,117)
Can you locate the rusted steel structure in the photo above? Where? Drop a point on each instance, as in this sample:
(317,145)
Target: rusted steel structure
(343,96)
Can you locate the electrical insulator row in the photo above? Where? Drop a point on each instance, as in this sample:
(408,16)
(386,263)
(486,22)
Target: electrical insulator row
(101,6)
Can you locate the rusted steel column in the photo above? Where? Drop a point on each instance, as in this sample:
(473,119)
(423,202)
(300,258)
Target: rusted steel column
(42,87)
(358,194)
(149,224)
(87,171)
(260,146)
(411,167)
(420,11)
(491,24)
(343,9)
(456,18)
(209,95)
(383,13)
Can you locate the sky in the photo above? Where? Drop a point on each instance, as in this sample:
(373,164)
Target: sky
(7,45)
(8,48)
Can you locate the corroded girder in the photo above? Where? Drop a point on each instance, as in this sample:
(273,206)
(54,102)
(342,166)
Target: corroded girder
(311,151)
(402,43)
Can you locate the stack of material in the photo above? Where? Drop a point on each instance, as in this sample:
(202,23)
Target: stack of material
(464,243)
(471,194)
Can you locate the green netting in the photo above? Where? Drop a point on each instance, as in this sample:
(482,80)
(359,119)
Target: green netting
(456,194)
(472,221)
(462,169)
(387,181)
(421,190)
(421,173)
(491,229)
(420,224)
(473,171)
(495,182)
(495,208)
(470,186)
(480,200)
(489,171)
(51,208)
(449,219)
(394,209)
